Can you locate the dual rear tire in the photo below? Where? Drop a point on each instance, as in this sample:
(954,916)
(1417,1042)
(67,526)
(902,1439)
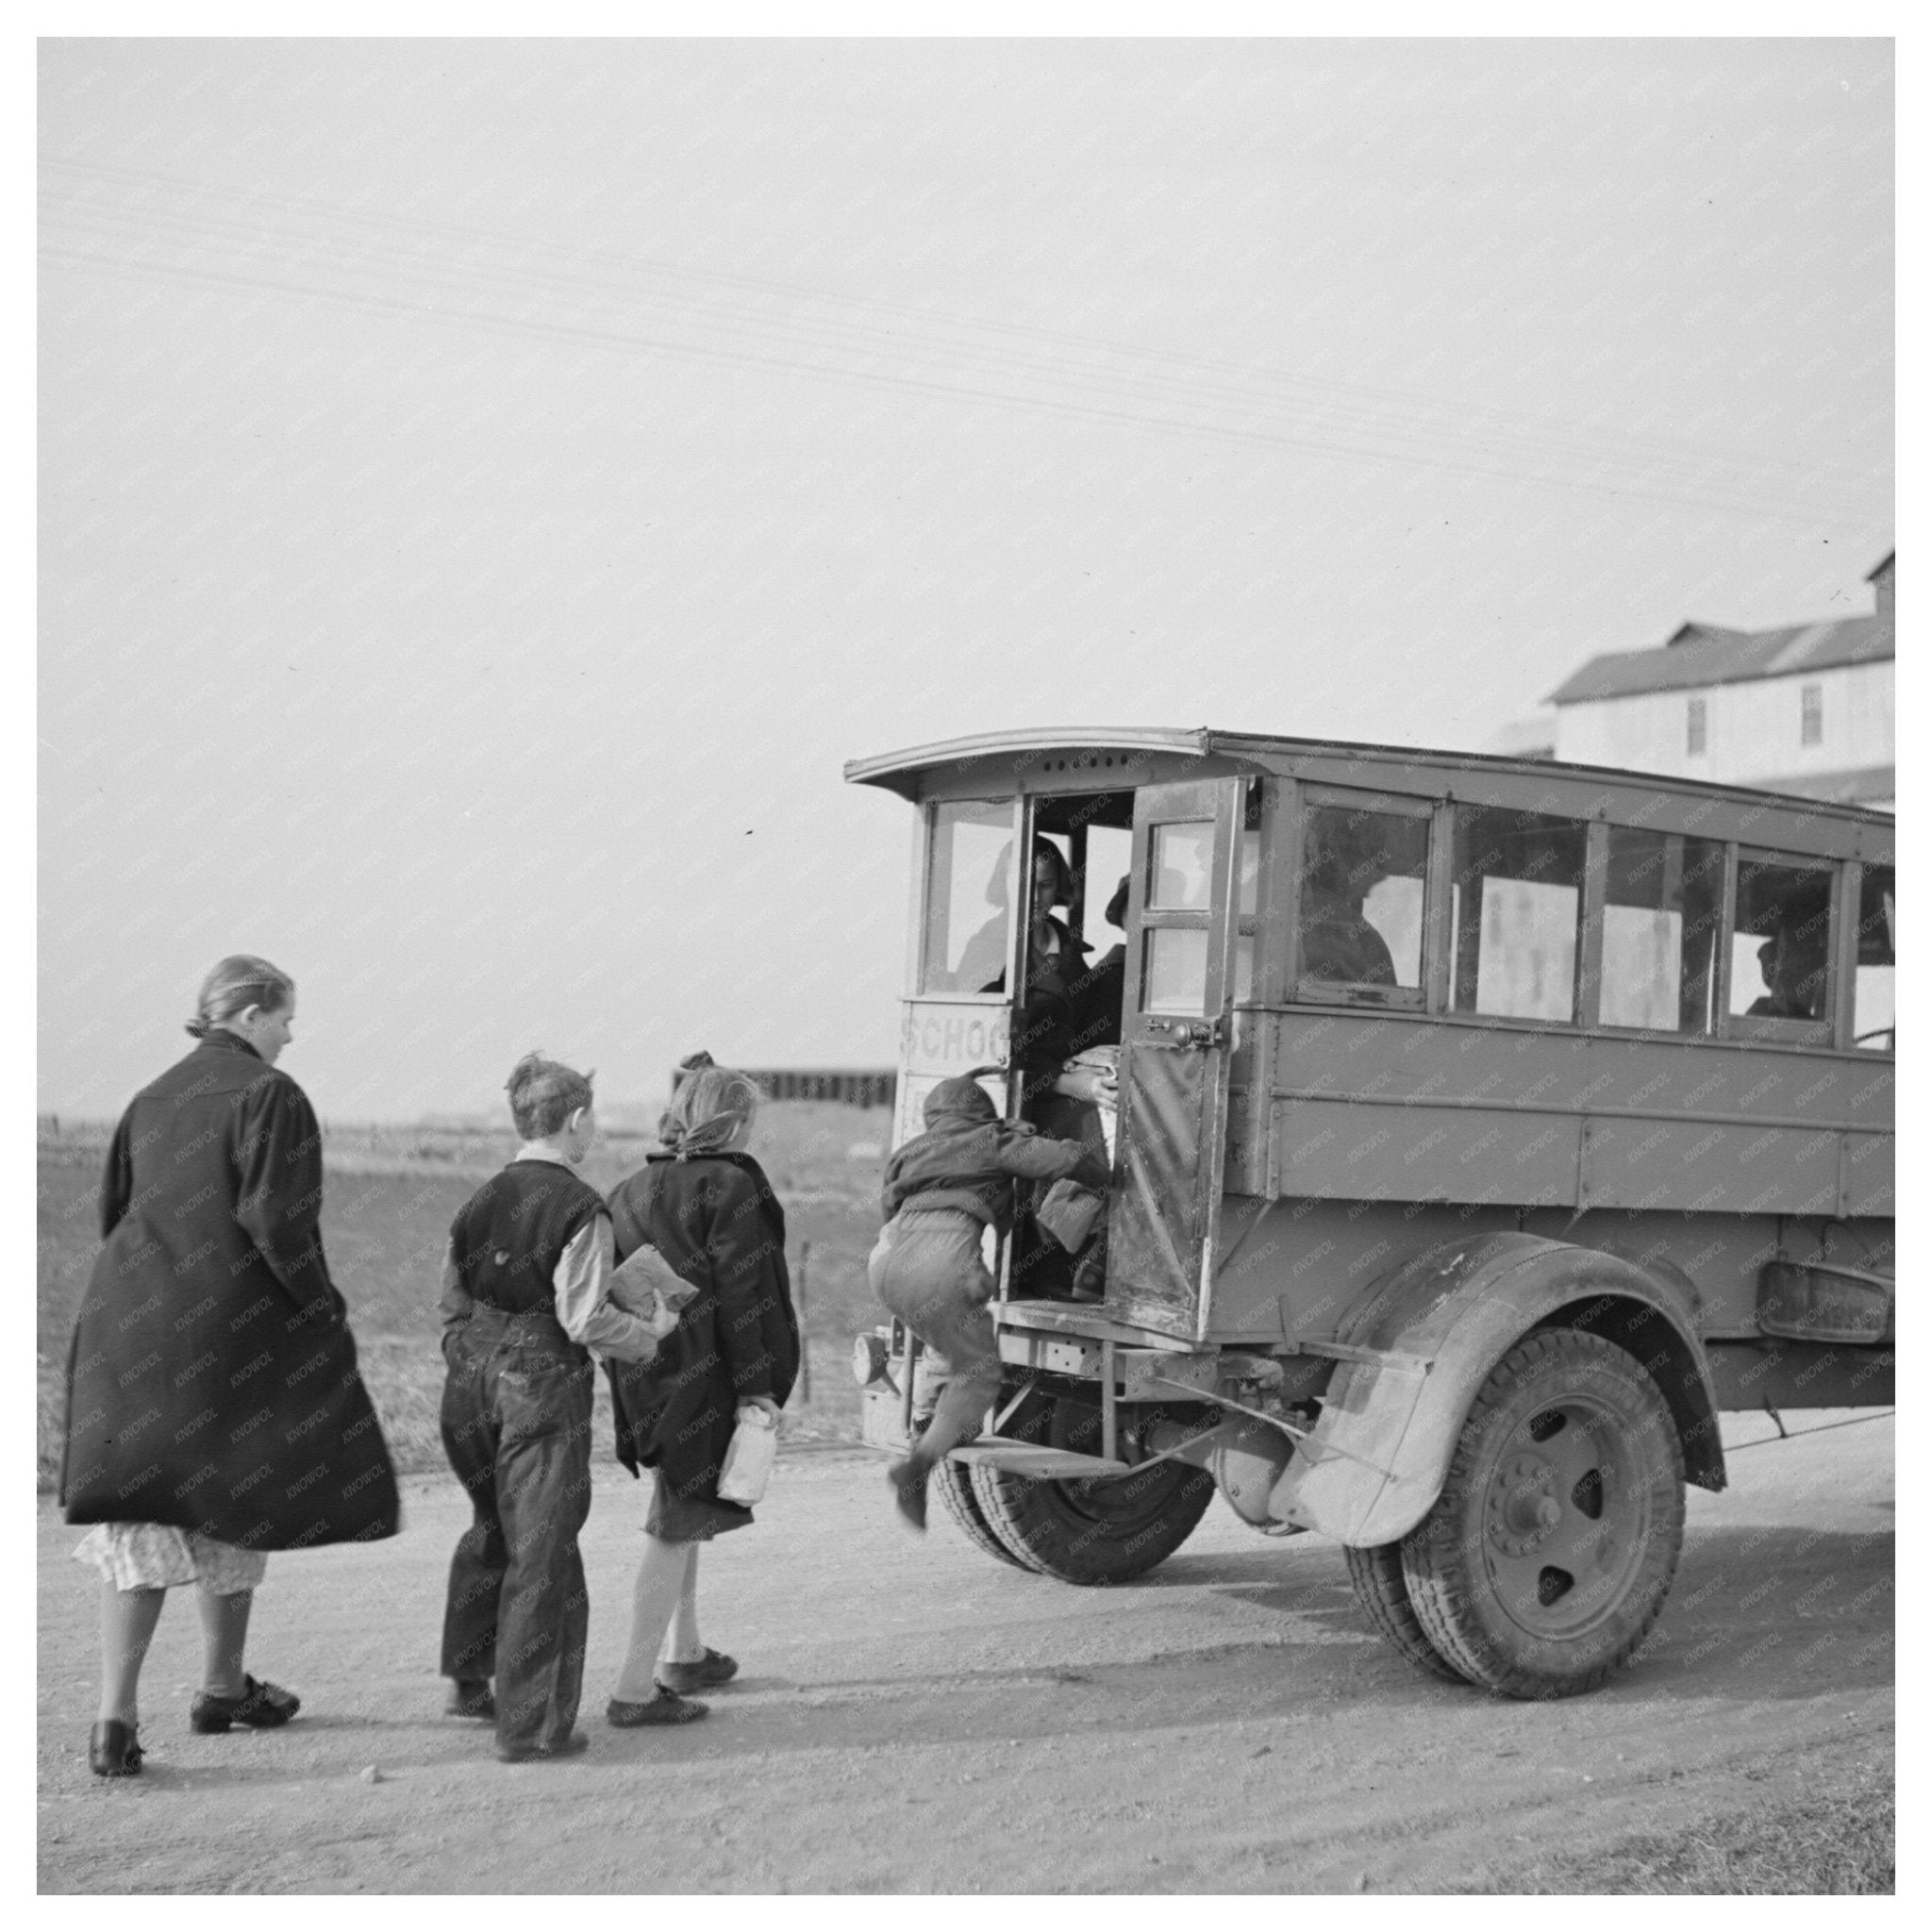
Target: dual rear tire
(1545,1561)
(1079,1531)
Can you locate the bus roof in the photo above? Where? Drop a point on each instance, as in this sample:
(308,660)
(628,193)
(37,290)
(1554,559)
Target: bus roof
(900,771)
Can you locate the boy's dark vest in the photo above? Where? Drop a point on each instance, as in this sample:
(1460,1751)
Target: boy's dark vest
(510,1234)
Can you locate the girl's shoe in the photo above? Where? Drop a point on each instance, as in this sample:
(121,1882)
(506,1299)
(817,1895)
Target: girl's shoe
(111,1750)
(262,1707)
(666,1708)
(707,1673)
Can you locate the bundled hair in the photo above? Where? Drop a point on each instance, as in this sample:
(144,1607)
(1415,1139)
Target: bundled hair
(544,1094)
(708,1103)
(239,981)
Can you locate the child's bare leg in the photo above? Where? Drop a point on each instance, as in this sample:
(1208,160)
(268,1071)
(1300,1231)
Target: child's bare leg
(127,1626)
(654,1604)
(682,1643)
(223,1636)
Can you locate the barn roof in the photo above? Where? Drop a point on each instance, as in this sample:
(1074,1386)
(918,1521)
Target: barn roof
(1700,654)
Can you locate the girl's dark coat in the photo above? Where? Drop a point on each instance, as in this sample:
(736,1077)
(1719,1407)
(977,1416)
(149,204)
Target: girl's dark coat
(211,1380)
(715,1219)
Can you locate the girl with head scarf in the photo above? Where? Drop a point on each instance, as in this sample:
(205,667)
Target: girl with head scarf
(706,1206)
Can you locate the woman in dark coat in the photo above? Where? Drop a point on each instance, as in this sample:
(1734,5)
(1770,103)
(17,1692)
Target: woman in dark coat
(215,1410)
(706,1206)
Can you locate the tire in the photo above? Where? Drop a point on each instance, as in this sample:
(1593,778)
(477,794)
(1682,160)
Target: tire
(1546,1560)
(1089,1532)
(954,1482)
(1379,1589)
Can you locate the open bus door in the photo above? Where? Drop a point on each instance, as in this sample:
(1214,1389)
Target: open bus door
(1193,879)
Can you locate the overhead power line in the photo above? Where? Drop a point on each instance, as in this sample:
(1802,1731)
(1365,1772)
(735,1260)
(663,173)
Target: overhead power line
(155,228)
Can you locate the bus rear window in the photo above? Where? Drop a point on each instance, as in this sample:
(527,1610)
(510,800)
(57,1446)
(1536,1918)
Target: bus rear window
(1663,907)
(967,887)
(1516,903)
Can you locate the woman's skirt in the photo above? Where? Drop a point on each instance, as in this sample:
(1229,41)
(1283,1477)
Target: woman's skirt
(156,1555)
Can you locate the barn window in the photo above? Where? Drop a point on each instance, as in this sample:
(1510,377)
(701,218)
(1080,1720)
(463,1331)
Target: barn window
(1693,728)
(1811,714)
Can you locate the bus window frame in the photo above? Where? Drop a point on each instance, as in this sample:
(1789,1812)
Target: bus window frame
(1762,1029)
(1355,994)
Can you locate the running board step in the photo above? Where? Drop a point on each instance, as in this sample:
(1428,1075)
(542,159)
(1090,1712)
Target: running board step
(1035,1460)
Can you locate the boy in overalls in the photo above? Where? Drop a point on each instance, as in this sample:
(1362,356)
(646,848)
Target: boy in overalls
(526,1292)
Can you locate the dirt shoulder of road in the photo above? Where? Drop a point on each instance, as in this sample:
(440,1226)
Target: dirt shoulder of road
(912,1716)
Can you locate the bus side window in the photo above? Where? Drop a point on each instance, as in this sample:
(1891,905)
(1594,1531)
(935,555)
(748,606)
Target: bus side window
(1515,909)
(1663,908)
(1361,896)
(1873,1022)
(1781,940)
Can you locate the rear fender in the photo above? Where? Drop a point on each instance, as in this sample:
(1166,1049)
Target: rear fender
(1440,1322)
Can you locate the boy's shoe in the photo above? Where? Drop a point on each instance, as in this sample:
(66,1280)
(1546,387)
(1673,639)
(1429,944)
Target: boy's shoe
(666,1708)
(262,1707)
(541,1754)
(111,1750)
(908,1479)
(470,1697)
(705,1673)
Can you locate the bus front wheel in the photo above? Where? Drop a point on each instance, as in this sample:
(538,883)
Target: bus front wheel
(1546,1559)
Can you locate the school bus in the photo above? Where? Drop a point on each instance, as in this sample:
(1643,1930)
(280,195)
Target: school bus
(1481,1129)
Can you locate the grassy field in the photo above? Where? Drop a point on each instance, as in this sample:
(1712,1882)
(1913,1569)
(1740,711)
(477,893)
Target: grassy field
(391,1193)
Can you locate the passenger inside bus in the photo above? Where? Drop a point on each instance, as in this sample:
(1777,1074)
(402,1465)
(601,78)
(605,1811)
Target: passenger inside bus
(1783,930)
(1347,856)
(1794,969)
(1052,957)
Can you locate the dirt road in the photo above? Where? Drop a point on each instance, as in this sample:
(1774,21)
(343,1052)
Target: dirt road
(912,1716)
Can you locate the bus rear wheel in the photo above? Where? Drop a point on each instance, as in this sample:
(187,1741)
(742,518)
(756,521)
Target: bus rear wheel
(1545,1561)
(1382,1591)
(1086,1531)
(953,1483)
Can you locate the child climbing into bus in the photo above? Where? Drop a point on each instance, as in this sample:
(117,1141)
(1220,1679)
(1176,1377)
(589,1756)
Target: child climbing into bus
(942,1188)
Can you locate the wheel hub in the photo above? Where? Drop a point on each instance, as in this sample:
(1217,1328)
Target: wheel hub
(1523,1506)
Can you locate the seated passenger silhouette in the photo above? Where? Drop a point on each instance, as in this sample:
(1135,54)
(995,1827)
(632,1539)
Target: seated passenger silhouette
(1337,941)
(1792,964)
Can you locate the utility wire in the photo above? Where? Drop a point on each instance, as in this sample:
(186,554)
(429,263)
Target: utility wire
(982,371)
(1516,424)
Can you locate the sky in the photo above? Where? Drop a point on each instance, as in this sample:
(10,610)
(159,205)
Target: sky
(488,490)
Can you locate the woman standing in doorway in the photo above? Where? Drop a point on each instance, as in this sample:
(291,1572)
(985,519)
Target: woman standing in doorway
(215,1410)
(706,1206)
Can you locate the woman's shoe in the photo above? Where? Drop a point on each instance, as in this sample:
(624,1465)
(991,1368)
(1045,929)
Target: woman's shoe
(111,1750)
(262,1707)
(705,1673)
(470,1697)
(667,1707)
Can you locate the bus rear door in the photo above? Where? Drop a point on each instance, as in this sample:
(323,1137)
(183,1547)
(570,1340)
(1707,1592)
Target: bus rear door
(1184,961)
